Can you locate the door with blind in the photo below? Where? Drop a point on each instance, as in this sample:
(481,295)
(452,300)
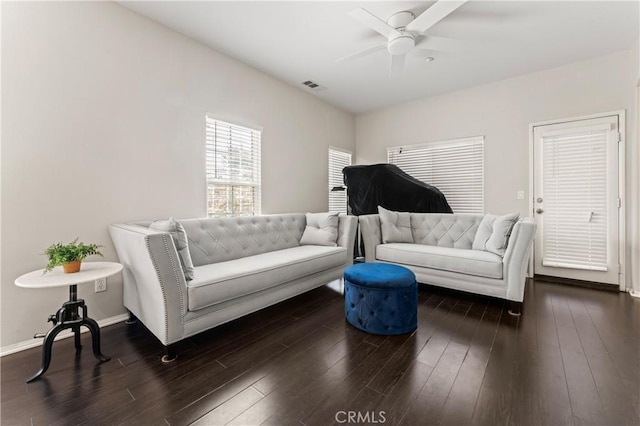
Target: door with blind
(576,200)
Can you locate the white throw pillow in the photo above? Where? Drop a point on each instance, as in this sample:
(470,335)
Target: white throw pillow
(181,242)
(396,226)
(493,233)
(321,230)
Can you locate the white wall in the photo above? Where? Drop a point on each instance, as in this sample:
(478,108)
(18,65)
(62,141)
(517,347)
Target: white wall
(502,112)
(635,176)
(103,121)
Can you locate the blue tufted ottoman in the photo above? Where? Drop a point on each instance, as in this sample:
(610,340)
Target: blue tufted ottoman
(381,298)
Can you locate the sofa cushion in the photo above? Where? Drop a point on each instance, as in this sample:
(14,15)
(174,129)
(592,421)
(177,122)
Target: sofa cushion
(445,230)
(493,233)
(470,262)
(179,237)
(219,282)
(321,230)
(216,240)
(395,226)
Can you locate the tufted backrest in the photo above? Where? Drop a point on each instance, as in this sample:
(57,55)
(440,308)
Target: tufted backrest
(445,230)
(219,240)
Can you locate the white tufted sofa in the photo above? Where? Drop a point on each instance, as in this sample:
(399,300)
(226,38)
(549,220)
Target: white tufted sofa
(441,254)
(241,265)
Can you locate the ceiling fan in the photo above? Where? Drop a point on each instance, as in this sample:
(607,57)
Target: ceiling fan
(403,30)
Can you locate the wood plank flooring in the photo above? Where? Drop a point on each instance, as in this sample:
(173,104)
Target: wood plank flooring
(572,358)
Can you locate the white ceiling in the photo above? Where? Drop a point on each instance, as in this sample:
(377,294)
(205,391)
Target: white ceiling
(298,41)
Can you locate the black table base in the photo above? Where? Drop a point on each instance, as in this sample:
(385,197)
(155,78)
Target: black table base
(68,316)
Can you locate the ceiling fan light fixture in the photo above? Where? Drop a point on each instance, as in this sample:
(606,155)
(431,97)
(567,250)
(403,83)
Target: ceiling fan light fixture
(401,45)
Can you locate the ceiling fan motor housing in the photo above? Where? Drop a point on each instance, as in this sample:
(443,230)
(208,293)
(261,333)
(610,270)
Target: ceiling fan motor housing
(403,43)
(400,20)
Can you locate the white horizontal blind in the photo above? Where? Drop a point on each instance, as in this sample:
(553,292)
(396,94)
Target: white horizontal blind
(574,227)
(338,160)
(233,169)
(455,167)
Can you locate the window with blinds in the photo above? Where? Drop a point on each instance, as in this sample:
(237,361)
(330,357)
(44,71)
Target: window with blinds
(574,227)
(455,167)
(338,160)
(233,169)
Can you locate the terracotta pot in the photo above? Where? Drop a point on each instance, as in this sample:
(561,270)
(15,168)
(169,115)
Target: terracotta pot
(71,267)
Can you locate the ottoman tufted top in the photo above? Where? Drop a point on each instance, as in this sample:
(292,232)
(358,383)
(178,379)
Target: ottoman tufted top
(379,275)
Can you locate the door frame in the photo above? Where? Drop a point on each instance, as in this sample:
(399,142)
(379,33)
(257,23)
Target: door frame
(621,184)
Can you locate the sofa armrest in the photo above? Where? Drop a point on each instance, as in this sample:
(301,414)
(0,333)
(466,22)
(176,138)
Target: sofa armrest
(516,258)
(155,288)
(371,235)
(347,227)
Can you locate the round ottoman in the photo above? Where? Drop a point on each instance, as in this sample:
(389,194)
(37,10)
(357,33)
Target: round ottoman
(381,298)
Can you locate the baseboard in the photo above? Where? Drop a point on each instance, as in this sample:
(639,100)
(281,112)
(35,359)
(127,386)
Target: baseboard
(579,283)
(33,343)
(634,293)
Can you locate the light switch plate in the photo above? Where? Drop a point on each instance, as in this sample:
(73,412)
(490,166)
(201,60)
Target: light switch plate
(520,195)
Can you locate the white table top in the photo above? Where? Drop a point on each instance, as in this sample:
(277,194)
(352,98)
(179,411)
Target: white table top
(89,272)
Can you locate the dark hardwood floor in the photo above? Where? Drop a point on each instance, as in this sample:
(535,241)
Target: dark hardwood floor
(572,358)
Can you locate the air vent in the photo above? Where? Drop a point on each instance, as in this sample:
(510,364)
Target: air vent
(312,85)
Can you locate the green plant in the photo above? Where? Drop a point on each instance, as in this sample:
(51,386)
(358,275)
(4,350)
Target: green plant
(59,253)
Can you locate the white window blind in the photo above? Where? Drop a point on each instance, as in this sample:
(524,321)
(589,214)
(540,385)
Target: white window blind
(338,160)
(233,169)
(455,167)
(574,227)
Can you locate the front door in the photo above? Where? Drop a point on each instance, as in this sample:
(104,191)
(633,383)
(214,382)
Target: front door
(576,199)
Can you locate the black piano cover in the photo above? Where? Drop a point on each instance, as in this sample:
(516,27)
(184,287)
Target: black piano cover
(388,186)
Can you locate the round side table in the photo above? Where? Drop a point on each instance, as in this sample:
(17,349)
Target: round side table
(68,316)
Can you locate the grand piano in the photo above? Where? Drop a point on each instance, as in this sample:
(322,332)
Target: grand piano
(388,186)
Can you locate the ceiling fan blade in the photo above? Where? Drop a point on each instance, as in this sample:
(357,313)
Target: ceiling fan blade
(363,52)
(396,67)
(372,21)
(433,15)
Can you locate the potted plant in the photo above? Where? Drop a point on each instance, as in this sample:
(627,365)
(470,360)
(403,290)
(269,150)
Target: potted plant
(70,256)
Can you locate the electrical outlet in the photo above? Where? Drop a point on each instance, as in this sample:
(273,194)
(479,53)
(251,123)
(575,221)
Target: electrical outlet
(520,195)
(101,285)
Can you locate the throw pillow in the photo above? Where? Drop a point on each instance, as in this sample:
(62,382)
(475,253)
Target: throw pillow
(396,226)
(321,230)
(179,236)
(493,233)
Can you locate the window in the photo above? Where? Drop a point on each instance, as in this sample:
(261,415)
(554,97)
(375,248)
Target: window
(455,167)
(233,169)
(338,160)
